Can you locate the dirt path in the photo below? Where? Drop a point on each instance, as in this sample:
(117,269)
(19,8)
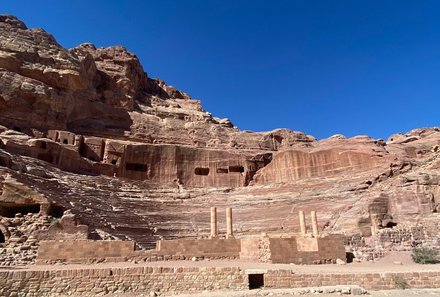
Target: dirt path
(294,292)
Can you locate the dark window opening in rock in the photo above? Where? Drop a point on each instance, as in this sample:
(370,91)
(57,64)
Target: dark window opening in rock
(222,170)
(43,145)
(2,237)
(46,157)
(136,167)
(390,225)
(56,211)
(11,211)
(65,141)
(18,129)
(256,281)
(236,169)
(114,162)
(201,171)
(350,256)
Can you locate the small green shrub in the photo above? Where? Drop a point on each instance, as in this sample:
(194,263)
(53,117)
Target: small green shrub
(54,221)
(425,255)
(400,283)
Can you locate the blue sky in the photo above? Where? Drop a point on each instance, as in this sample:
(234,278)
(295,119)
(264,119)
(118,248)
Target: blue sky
(321,67)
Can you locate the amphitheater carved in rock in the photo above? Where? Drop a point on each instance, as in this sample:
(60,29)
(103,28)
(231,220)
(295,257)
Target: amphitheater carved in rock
(124,176)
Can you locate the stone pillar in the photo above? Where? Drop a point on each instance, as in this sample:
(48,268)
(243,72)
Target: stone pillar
(373,230)
(314,223)
(213,222)
(302,222)
(374,220)
(229,232)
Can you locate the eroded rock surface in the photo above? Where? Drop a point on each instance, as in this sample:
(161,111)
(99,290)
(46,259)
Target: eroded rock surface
(87,130)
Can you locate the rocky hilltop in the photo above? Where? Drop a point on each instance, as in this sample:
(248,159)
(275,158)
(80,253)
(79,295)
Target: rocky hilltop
(86,130)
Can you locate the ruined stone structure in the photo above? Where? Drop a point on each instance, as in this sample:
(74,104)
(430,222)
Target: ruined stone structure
(176,279)
(299,249)
(87,130)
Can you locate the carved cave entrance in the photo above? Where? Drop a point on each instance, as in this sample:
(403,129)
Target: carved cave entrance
(2,237)
(222,170)
(136,167)
(256,281)
(201,171)
(56,211)
(10,211)
(390,225)
(239,169)
(47,157)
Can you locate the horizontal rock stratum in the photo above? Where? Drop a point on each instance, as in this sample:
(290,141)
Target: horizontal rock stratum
(86,129)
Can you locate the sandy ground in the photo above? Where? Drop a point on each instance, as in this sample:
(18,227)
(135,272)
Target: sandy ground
(295,292)
(276,293)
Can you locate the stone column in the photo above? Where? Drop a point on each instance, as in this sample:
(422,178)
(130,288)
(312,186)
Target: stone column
(373,230)
(373,218)
(314,223)
(229,232)
(213,222)
(302,222)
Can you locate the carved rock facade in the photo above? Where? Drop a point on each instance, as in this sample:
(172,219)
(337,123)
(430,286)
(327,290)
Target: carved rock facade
(86,129)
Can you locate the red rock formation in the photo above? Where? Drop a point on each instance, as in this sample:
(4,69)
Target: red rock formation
(132,157)
(330,157)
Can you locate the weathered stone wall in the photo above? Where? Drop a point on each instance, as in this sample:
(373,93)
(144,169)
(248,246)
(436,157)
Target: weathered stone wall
(255,249)
(276,250)
(369,281)
(67,228)
(298,250)
(190,279)
(76,249)
(403,237)
(119,280)
(90,251)
(20,235)
(200,247)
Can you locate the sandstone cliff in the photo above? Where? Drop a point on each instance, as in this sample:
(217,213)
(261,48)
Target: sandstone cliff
(86,129)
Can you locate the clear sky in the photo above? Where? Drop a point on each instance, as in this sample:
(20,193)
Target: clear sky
(321,67)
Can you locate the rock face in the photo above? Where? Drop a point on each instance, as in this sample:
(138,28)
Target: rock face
(87,130)
(105,92)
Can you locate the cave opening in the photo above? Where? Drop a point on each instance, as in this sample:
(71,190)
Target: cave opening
(10,211)
(136,167)
(46,157)
(390,225)
(2,237)
(201,171)
(239,169)
(56,211)
(222,170)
